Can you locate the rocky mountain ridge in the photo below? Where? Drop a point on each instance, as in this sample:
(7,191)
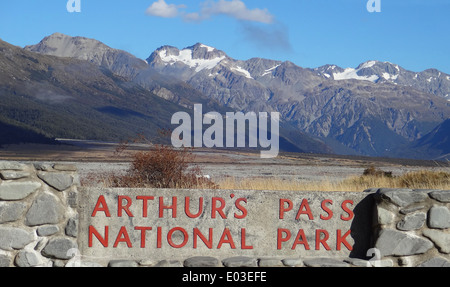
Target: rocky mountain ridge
(370,110)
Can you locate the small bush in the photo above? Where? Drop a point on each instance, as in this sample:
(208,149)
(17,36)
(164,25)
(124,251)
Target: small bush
(372,171)
(163,167)
(160,166)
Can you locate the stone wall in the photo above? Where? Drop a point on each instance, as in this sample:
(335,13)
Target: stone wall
(40,223)
(412,227)
(38,214)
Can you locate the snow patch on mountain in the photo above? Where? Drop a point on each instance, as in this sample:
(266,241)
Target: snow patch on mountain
(389,77)
(242,71)
(368,64)
(210,49)
(351,73)
(185,57)
(269,71)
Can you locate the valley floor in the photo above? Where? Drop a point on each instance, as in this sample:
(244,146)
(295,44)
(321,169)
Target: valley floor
(92,157)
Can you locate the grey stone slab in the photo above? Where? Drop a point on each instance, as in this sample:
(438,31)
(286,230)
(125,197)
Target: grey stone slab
(403,197)
(148,262)
(397,243)
(46,209)
(169,263)
(358,262)
(435,262)
(412,221)
(293,262)
(440,238)
(240,261)
(14,238)
(412,209)
(10,212)
(371,190)
(12,175)
(384,216)
(439,217)
(72,199)
(123,263)
(11,191)
(60,248)
(202,262)
(58,180)
(11,165)
(5,260)
(260,224)
(441,195)
(325,262)
(27,258)
(270,262)
(43,166)
(47,230)
(72,227)
(64,167)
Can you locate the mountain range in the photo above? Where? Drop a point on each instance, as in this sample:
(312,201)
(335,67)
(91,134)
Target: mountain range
(375,109)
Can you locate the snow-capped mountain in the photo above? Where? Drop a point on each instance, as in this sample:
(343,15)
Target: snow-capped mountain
(198,57)
(372,109)
(429,81)
(194,59)
(369,109)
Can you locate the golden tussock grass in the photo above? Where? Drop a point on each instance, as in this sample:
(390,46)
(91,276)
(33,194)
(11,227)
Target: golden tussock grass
(166,167)
(413,180)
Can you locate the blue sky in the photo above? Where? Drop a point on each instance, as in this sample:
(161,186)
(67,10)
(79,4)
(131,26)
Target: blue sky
(310,33)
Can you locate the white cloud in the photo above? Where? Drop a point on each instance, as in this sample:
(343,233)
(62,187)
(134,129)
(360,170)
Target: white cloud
(232,8)
(164,10)
(238,10)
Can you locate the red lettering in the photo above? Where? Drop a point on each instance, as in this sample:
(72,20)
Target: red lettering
(303,241)
(320,240)
(243,245)
(120,206)
(102,240)
(347,210)
(307,210)
(226,238)
(327,210)
(143,230)
(280,238)
(342,239)
(219,209)
(158,237)
(145,200)
(187,208)
(208,242)
(284,209)
(123,237)
(172,207)
(241,208)
(170,234)
(101,206)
